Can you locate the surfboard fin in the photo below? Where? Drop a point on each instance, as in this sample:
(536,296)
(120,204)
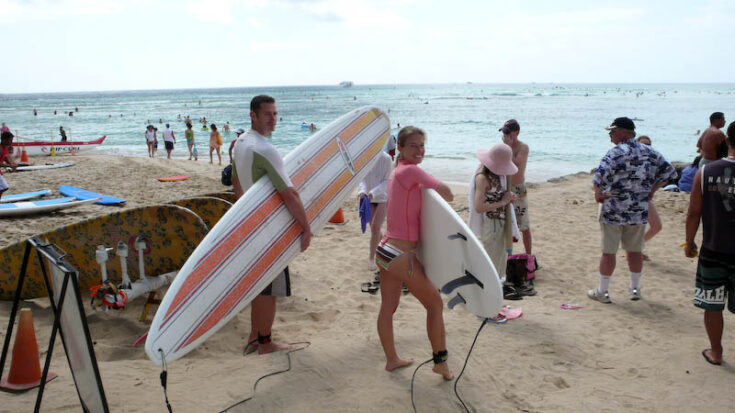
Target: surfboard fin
(458,236)
(467,279)
(457,299)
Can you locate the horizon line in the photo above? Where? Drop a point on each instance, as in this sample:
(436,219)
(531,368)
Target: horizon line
(337,86)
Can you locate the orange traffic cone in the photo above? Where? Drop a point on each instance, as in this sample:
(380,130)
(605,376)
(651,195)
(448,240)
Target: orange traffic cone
(25,369)
(337,218)
(23,155)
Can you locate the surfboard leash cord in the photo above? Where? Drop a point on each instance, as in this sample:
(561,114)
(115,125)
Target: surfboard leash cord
(255,385)
(484,321)
(164,376)
(456,381)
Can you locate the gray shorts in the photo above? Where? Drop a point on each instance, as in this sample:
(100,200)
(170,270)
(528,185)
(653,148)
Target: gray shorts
(280,286)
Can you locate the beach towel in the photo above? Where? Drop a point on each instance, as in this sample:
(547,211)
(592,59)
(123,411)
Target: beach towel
(366,211)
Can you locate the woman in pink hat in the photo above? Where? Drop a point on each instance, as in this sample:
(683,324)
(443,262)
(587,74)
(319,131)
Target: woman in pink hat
(494,201)
(396,257)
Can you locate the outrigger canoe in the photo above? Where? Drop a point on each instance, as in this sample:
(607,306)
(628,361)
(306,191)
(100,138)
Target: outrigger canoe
(43,148)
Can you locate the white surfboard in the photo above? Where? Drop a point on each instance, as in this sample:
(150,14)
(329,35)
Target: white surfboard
(455,260)
(44,167)
(25,196)
(39,207)
(257,237)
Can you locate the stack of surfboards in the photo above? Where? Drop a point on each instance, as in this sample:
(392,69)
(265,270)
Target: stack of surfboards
(257,238)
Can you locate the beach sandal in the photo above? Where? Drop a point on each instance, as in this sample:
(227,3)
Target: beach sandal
(709,360)
(510,313)
(498,319)
(370,287)
(527,289)
(510,292)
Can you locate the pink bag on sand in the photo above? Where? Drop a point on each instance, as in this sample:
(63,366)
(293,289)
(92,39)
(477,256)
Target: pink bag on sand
(521,267)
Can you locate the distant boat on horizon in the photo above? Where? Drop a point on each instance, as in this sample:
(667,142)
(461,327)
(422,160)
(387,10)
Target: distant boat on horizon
(346,83)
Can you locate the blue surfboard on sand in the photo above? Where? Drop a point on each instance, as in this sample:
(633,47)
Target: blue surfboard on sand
(83,194)
(25,196)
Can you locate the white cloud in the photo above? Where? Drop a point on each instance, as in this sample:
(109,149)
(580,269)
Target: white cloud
(212,11)
(13,10)
(255,22)
(355,14)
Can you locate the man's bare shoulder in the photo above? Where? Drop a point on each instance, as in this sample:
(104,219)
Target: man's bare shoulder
(521,150)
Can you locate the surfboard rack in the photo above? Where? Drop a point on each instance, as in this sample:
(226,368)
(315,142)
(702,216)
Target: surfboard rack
(69,321)
(458,236)
(467,279)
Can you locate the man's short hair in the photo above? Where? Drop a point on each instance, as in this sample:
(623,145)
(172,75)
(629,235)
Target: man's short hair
(259,100)
(730,134)
(715,117)
(6,135)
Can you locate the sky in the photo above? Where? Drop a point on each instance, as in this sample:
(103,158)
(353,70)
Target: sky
(90,45)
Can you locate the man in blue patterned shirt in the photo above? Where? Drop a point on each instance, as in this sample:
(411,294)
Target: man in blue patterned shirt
(628,176)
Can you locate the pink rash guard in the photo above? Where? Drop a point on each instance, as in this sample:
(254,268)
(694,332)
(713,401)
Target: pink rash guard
(404,200)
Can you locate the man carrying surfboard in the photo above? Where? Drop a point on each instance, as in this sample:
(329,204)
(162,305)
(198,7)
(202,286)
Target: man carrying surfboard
(255,157)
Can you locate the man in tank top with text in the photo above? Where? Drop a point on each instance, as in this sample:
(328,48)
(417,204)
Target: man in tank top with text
(713,200)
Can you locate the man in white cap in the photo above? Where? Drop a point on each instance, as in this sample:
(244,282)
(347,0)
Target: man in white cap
(238,132)
(628,176)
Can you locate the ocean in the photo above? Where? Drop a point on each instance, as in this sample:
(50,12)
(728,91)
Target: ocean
(563,124)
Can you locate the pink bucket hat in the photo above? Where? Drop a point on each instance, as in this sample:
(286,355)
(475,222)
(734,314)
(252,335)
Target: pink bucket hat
(498,159)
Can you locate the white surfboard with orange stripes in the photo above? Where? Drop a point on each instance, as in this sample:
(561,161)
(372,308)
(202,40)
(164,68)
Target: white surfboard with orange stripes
(257,238)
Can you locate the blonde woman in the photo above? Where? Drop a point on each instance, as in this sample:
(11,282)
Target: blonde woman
(396,258)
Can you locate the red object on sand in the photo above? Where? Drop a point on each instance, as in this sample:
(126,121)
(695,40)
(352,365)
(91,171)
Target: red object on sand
(173,178)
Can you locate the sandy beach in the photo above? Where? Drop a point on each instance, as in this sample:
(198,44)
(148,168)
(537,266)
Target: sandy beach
(627,356)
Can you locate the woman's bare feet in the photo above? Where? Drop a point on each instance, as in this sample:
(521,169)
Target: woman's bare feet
(443,370)
(391,365)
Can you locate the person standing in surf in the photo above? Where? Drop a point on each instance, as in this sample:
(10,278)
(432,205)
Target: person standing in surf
(168,140)
(255,157)
(189,134)
(396,253)
(150,139)
(215,142)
